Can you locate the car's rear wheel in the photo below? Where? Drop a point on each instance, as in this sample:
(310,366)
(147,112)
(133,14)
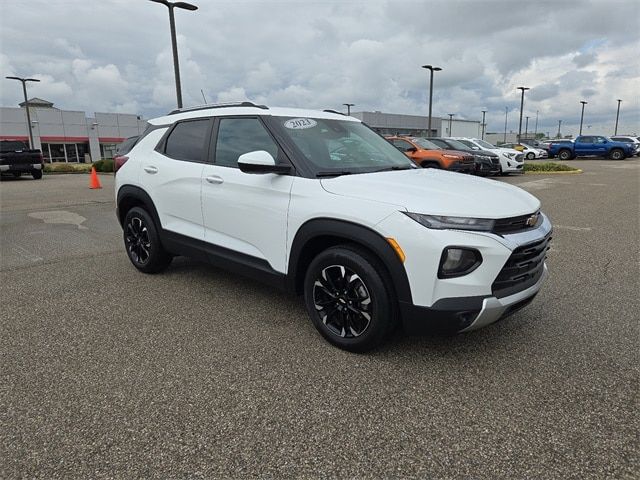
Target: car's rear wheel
(142,242)
(349,297)
(616,154)
(36,174)
(531,156)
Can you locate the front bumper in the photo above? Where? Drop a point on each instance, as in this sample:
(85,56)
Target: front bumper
(457,315)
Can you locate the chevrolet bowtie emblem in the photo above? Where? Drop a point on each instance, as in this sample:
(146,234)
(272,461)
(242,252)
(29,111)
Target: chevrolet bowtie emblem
(532,220)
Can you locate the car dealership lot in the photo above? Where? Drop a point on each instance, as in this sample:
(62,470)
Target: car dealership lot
(199,373)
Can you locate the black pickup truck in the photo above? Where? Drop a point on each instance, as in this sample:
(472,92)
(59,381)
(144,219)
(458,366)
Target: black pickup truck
(16,158)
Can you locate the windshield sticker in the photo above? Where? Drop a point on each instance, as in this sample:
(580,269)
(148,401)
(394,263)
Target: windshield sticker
(300,123)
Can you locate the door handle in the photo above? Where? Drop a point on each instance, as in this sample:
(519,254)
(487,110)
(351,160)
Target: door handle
(151,169)
(214,179)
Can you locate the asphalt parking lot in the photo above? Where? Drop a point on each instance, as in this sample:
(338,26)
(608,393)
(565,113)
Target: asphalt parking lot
(197,373)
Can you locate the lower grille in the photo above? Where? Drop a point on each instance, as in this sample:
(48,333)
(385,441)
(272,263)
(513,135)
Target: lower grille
(523,269)
(495,160)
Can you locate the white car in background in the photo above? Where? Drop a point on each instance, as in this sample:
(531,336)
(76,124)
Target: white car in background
(511,161)
(529,152)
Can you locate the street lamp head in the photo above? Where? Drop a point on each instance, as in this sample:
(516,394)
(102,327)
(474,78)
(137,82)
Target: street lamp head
(523,89)
(432,68)
(185,6)
(583,102)
(23,79)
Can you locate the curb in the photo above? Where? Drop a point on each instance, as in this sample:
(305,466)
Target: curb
(570,172)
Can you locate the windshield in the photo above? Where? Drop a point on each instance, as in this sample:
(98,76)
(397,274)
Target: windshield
(342,146)
(426,144)
(484,144)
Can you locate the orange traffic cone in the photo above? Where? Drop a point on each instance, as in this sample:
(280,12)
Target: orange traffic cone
(93,181)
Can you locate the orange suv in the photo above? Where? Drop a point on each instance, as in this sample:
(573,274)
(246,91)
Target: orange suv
(429,155)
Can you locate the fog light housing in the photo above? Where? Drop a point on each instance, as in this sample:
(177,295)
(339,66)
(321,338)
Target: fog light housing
(458,261)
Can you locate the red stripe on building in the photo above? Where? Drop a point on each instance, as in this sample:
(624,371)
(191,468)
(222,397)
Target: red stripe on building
(64,139)
(111,139)
(13,137)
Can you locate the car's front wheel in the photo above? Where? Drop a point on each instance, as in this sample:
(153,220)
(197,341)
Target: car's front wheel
(36,174)
(349,297)
(142,242)
(531,156)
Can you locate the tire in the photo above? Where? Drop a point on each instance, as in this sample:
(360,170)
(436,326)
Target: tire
(36,174)
(564,154)
(142,242)
(531,156)
(616,154)
(430,164)
(350,298)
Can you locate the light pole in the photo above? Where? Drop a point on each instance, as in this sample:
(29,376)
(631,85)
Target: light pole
(174,43)
(432,69)
(617,116)
(582,114)
(521,107)
(506,111)
(526,127)
(26,103)
(484,112)
(349,105)
(559,123)
(450,119)
(535,133)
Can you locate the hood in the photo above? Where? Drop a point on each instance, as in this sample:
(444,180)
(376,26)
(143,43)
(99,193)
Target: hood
(510,150)
(436,192)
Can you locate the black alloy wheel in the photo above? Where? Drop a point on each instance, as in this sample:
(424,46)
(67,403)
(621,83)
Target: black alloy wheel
(136,238)
(350,298)
(142,242)
(342,301)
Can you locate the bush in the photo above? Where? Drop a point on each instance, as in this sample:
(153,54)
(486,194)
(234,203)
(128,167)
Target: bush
(104,165)
(548,167)
(67,167)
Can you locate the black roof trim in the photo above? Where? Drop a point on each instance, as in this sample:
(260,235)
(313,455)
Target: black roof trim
(217,105)
(334,111)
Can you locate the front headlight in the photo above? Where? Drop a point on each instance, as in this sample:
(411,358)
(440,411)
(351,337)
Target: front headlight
(439,222)
(450,156)
(510,154)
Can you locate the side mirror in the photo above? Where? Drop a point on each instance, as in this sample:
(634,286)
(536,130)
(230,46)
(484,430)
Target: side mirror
(475,148)
(411,149)
(260,162)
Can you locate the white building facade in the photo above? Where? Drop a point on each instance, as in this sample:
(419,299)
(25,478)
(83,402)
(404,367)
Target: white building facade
(69,136)
(417,125)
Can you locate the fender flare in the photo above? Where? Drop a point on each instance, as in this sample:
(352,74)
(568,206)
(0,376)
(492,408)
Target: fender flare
(352,233)
(138,196)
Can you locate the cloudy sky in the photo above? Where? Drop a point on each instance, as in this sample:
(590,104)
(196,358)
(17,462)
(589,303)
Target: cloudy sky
(115,55)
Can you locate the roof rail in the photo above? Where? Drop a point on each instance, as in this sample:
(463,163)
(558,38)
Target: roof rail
(217,105)
(334,111)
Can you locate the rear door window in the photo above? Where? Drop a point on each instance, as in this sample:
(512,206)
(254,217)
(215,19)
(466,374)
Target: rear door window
(188,140)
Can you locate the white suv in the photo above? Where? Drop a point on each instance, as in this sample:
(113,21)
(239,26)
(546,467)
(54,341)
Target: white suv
(511,161)
(316,203)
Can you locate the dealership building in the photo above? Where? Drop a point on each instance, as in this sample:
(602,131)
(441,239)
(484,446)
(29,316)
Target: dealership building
(417,125)
(66,135)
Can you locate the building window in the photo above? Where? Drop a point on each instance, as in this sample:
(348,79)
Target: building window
(107,150)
